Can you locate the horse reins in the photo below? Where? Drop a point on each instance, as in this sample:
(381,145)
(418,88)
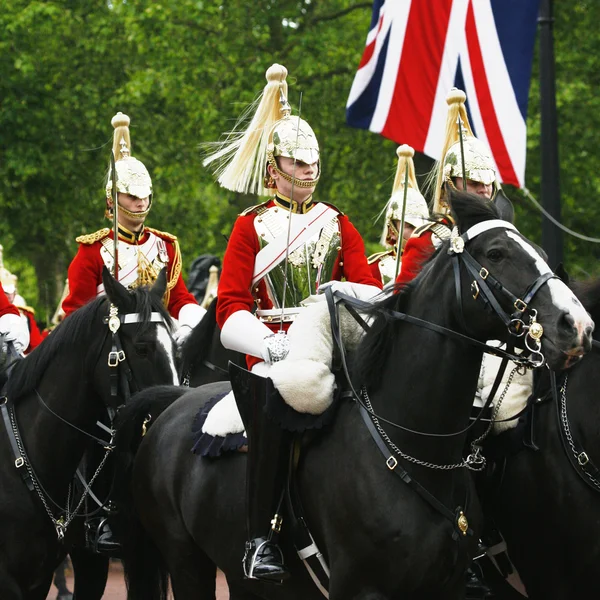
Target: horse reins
(516,325)
(124,376)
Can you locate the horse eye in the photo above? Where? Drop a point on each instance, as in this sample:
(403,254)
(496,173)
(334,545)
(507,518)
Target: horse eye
(495,255)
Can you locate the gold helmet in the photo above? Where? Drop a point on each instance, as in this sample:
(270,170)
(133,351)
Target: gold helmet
(416,212)
(240,161)
(132,176)
(479,165)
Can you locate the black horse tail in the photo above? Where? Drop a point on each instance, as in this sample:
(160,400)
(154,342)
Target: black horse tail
(145,571)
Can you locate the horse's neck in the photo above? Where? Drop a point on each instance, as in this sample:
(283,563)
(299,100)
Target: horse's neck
(582,406)
(53,447)
(429,382)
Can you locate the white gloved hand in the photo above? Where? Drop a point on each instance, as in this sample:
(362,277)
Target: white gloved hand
(181,335)
(362,291)
(16,331)
(244,333)
(189,316)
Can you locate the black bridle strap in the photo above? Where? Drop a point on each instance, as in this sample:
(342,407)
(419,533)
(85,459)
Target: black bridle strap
(17,454)
(394,466)
(451,333)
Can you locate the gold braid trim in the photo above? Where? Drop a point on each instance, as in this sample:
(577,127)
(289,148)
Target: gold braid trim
(90,238)
(378,255)
(254,208)
(163,234)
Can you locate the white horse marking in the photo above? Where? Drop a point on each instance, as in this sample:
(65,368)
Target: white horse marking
(164,339)
(562,297)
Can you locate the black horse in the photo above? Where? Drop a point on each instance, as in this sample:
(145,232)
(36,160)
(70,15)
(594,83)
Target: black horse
(203,358)
(55,396)
(380,538)
(547,507)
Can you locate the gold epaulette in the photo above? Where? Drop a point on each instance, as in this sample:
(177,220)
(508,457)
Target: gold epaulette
(441,230)
(162,234)
(90,238)
(379,255)
(28,309)
(254,208)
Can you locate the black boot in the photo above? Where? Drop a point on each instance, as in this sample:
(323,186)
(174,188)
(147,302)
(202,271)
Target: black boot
(101,537)
(266,470)
(477,588)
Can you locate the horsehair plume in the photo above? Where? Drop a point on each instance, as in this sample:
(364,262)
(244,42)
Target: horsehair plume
(121,124)
(405,161)
(456,108)
(241,158)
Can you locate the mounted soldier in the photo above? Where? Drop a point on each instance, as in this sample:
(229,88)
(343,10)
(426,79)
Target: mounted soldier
(466,164)
(135,258)
(12,327)
(280,253)
(411,205)
(142,252)
(27,313)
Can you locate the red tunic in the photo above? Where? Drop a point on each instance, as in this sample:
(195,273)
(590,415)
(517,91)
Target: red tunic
(6,308)
(35,335)
(417,252)
(85,273)
(235,284)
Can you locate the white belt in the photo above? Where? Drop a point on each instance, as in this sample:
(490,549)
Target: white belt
(274,315)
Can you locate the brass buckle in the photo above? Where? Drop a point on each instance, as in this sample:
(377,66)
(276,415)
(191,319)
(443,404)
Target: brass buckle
(519,305)
(475,290)
(276,523)
(113,358)
(19,462)
(483,273)
(391,463)
(583,459)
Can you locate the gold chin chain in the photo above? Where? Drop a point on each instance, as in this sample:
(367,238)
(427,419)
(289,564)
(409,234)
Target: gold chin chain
(301,183)
(134,215)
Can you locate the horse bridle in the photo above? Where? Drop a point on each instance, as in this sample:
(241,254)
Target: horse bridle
(116,357)
(522,322)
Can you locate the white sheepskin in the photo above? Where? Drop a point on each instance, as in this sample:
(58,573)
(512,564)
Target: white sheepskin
(516,396)
(304,378)
(223,418)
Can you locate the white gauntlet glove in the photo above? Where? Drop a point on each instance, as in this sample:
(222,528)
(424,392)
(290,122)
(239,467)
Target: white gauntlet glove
(189,316)
(243,332)
(16,331)
(362,291)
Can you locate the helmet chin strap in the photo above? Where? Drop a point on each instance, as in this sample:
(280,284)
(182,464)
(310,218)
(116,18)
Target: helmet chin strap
(301,183)
(138,216)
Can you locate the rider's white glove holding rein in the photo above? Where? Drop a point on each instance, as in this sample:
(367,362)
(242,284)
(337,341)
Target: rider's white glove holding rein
(189,316)
(356,290)
(244,333)
(16,330)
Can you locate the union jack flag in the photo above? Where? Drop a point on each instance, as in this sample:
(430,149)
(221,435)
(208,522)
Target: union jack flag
(417,50)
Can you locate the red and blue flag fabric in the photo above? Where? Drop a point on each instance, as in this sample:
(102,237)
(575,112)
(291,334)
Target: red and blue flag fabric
(417,50)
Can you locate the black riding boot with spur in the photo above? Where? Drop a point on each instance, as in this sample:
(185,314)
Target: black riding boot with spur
(266,470)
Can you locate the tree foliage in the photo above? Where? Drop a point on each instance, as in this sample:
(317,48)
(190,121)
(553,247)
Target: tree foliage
(183,70)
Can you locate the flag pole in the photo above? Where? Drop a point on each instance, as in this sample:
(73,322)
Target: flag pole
(552,238)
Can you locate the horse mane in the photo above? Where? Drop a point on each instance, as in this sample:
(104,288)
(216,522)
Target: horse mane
(467,210)
(198,344)
(79,325)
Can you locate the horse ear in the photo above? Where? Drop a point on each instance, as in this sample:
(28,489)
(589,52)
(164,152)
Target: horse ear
(469,209)
(160,285)
(115,292)
(562,273)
